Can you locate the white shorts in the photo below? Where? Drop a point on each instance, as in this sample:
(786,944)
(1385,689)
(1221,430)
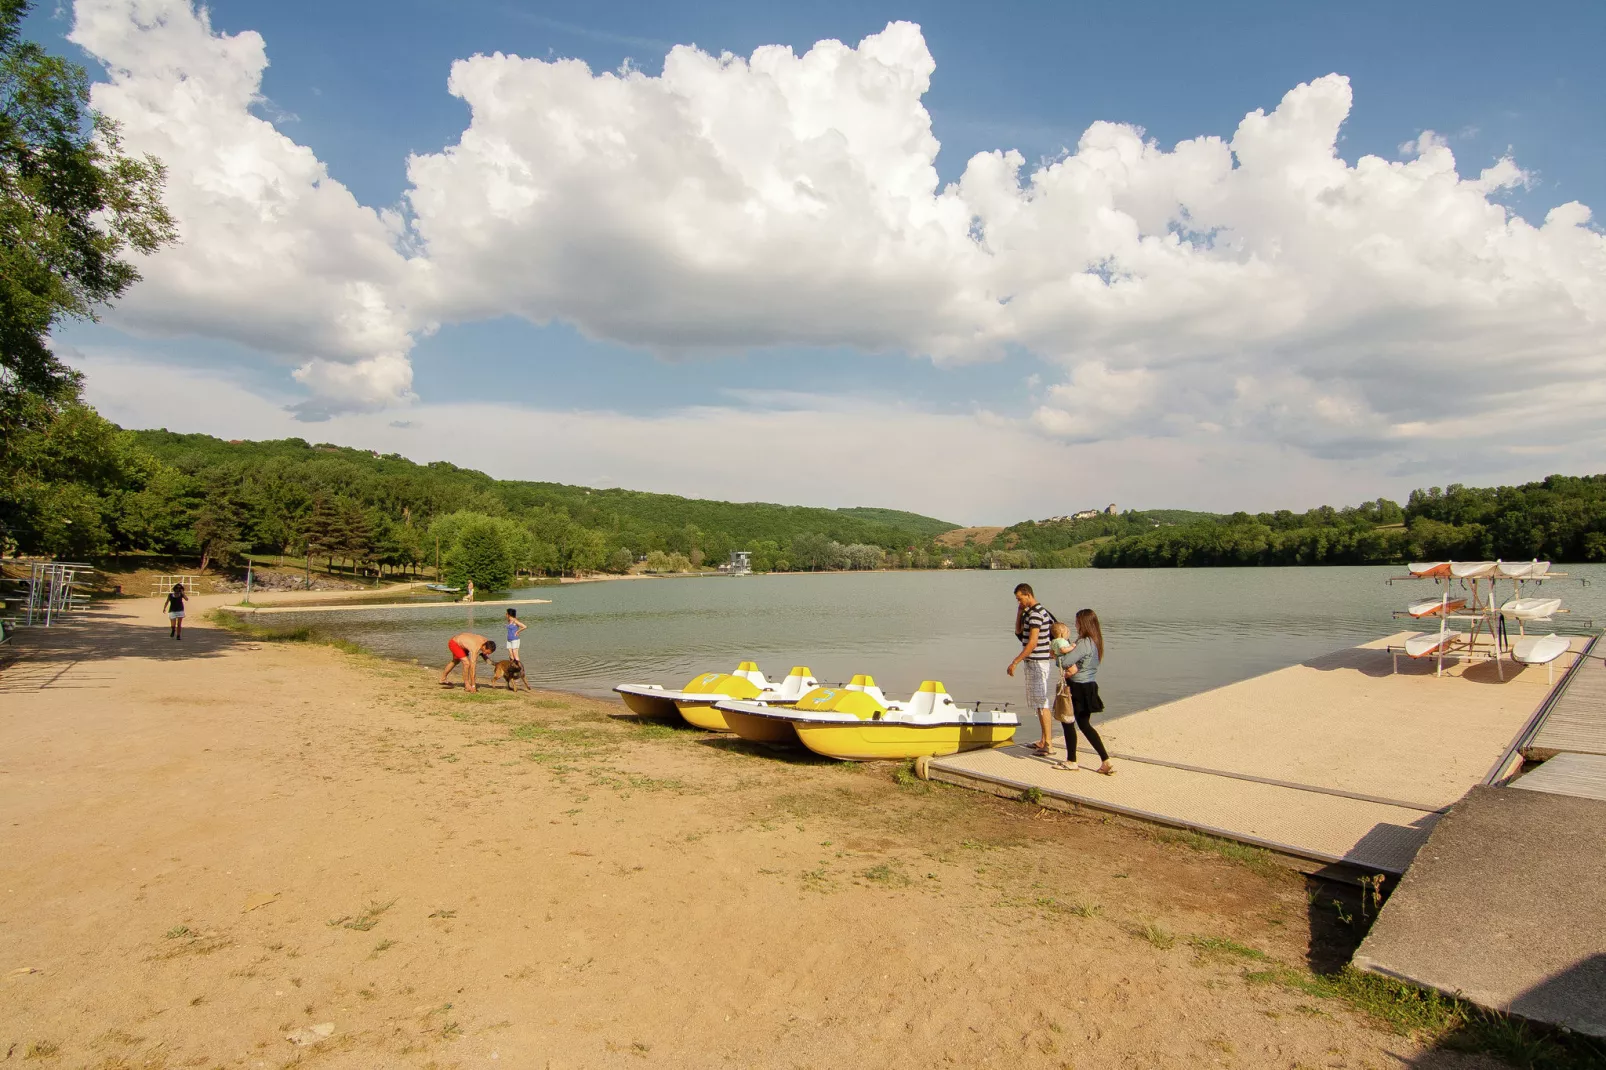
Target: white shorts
(176,616)
(513,646)
(1039,684)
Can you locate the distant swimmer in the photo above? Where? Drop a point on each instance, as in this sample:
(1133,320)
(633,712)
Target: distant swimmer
(460,645)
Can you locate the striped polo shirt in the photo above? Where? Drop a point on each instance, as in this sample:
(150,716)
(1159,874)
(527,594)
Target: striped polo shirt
(1040,618)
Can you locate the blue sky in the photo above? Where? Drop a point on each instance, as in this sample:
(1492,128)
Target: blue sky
(363,85)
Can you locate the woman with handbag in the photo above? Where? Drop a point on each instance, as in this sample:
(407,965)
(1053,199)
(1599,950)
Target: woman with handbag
(1079,691)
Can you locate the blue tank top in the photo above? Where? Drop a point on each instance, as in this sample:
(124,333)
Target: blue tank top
(512,631)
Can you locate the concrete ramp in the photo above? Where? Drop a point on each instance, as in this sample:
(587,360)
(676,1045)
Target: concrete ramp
(1505,906)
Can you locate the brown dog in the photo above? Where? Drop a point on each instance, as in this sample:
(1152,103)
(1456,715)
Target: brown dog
(510,670)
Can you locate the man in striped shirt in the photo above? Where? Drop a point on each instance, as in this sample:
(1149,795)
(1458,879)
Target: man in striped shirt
(1032,620)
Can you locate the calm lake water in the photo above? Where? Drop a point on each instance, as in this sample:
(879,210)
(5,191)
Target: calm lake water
(1169,632)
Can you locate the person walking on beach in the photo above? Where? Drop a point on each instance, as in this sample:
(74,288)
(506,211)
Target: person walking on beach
(1080,665)
(1032,622)
(515,627)
(460,645)
(174,607)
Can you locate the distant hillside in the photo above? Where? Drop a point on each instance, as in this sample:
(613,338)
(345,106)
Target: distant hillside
(895,518)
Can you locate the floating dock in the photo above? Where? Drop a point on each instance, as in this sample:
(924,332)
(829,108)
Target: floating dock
(1503,905)
(1339,761)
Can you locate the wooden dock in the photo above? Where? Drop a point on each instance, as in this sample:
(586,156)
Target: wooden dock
(1337,761)
(1576,721)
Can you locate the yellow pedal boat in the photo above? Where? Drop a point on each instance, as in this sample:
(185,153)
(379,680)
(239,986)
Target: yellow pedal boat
(856,723)
(755,719)
(655,700)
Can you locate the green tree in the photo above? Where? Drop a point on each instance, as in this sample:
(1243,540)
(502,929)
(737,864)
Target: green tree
(620,560)
(321,529)
(480,555)
(71,203)
(217,530)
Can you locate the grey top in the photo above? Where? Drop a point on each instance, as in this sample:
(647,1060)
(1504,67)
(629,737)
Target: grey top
(1085,656)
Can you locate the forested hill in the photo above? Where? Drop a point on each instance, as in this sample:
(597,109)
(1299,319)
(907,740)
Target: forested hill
(1561,518)
(278,480)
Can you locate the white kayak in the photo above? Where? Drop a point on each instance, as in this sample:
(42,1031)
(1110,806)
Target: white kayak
(1471,570)
(1429,643)
(1429,570)
(1523,570)
(1433,607)
(1531,608)
(1539,649)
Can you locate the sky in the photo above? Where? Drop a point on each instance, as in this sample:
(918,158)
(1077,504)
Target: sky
(984,263)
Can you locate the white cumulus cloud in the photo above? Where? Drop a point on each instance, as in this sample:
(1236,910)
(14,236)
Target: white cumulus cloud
(1258,287)
(274,253)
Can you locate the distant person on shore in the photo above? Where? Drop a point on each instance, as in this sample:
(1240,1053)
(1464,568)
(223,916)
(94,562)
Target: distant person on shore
(460,645)
(515,628)
(469,597)
(1032,622)
(174,607)
(1080,664)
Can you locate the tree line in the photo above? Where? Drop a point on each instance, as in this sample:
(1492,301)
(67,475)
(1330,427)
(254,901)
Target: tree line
(82,487)
(1560,518)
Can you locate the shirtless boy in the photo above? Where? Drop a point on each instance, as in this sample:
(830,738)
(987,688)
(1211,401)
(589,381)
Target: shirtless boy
(460,645)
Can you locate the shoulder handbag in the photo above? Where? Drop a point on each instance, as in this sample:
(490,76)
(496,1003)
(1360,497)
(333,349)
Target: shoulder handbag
(1064,711)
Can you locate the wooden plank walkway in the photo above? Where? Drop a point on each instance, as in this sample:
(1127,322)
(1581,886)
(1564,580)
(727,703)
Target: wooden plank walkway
(1577,719)
(1337,760)
(1583,776)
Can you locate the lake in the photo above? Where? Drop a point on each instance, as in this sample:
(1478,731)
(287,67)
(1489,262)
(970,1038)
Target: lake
(1168,632)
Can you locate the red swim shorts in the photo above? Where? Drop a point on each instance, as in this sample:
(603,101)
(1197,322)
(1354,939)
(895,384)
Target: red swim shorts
(458,653)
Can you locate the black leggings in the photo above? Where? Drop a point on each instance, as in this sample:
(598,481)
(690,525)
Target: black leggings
(1084,720)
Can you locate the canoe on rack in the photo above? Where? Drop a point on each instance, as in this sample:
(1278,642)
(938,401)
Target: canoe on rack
(1433,607)
(1531,608)
(1539,649)
(1430,570)
(1431,643)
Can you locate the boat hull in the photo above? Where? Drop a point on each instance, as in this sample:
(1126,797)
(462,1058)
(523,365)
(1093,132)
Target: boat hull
(700,713)
(881,740)
(1539,649)
(1430,643)
(759,728)
(649,702)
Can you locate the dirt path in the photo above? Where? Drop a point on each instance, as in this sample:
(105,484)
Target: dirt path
(212,846)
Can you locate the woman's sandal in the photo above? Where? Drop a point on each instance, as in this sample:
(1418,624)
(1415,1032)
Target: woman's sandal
(1105,772)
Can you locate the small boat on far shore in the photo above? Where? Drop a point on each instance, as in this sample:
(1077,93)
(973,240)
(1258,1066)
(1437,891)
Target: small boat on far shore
(442,588)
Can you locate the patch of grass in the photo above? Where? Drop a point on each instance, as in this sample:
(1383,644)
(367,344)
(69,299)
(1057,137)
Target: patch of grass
(364,921)
(381,947)
(243,625)
(549,704)
(1032,796)
(177,931)
(1449,1022)
(905,777)
(42,1049)
(446,914)
(1155,935)
(1256,859)
(886,873)
(1221,946)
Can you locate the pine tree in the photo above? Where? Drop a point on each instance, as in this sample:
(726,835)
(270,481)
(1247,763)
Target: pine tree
(322,530)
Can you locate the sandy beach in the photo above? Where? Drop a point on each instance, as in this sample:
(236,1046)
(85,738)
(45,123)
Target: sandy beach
(230,852)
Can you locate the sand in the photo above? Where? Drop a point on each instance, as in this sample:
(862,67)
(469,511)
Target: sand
(226,852)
